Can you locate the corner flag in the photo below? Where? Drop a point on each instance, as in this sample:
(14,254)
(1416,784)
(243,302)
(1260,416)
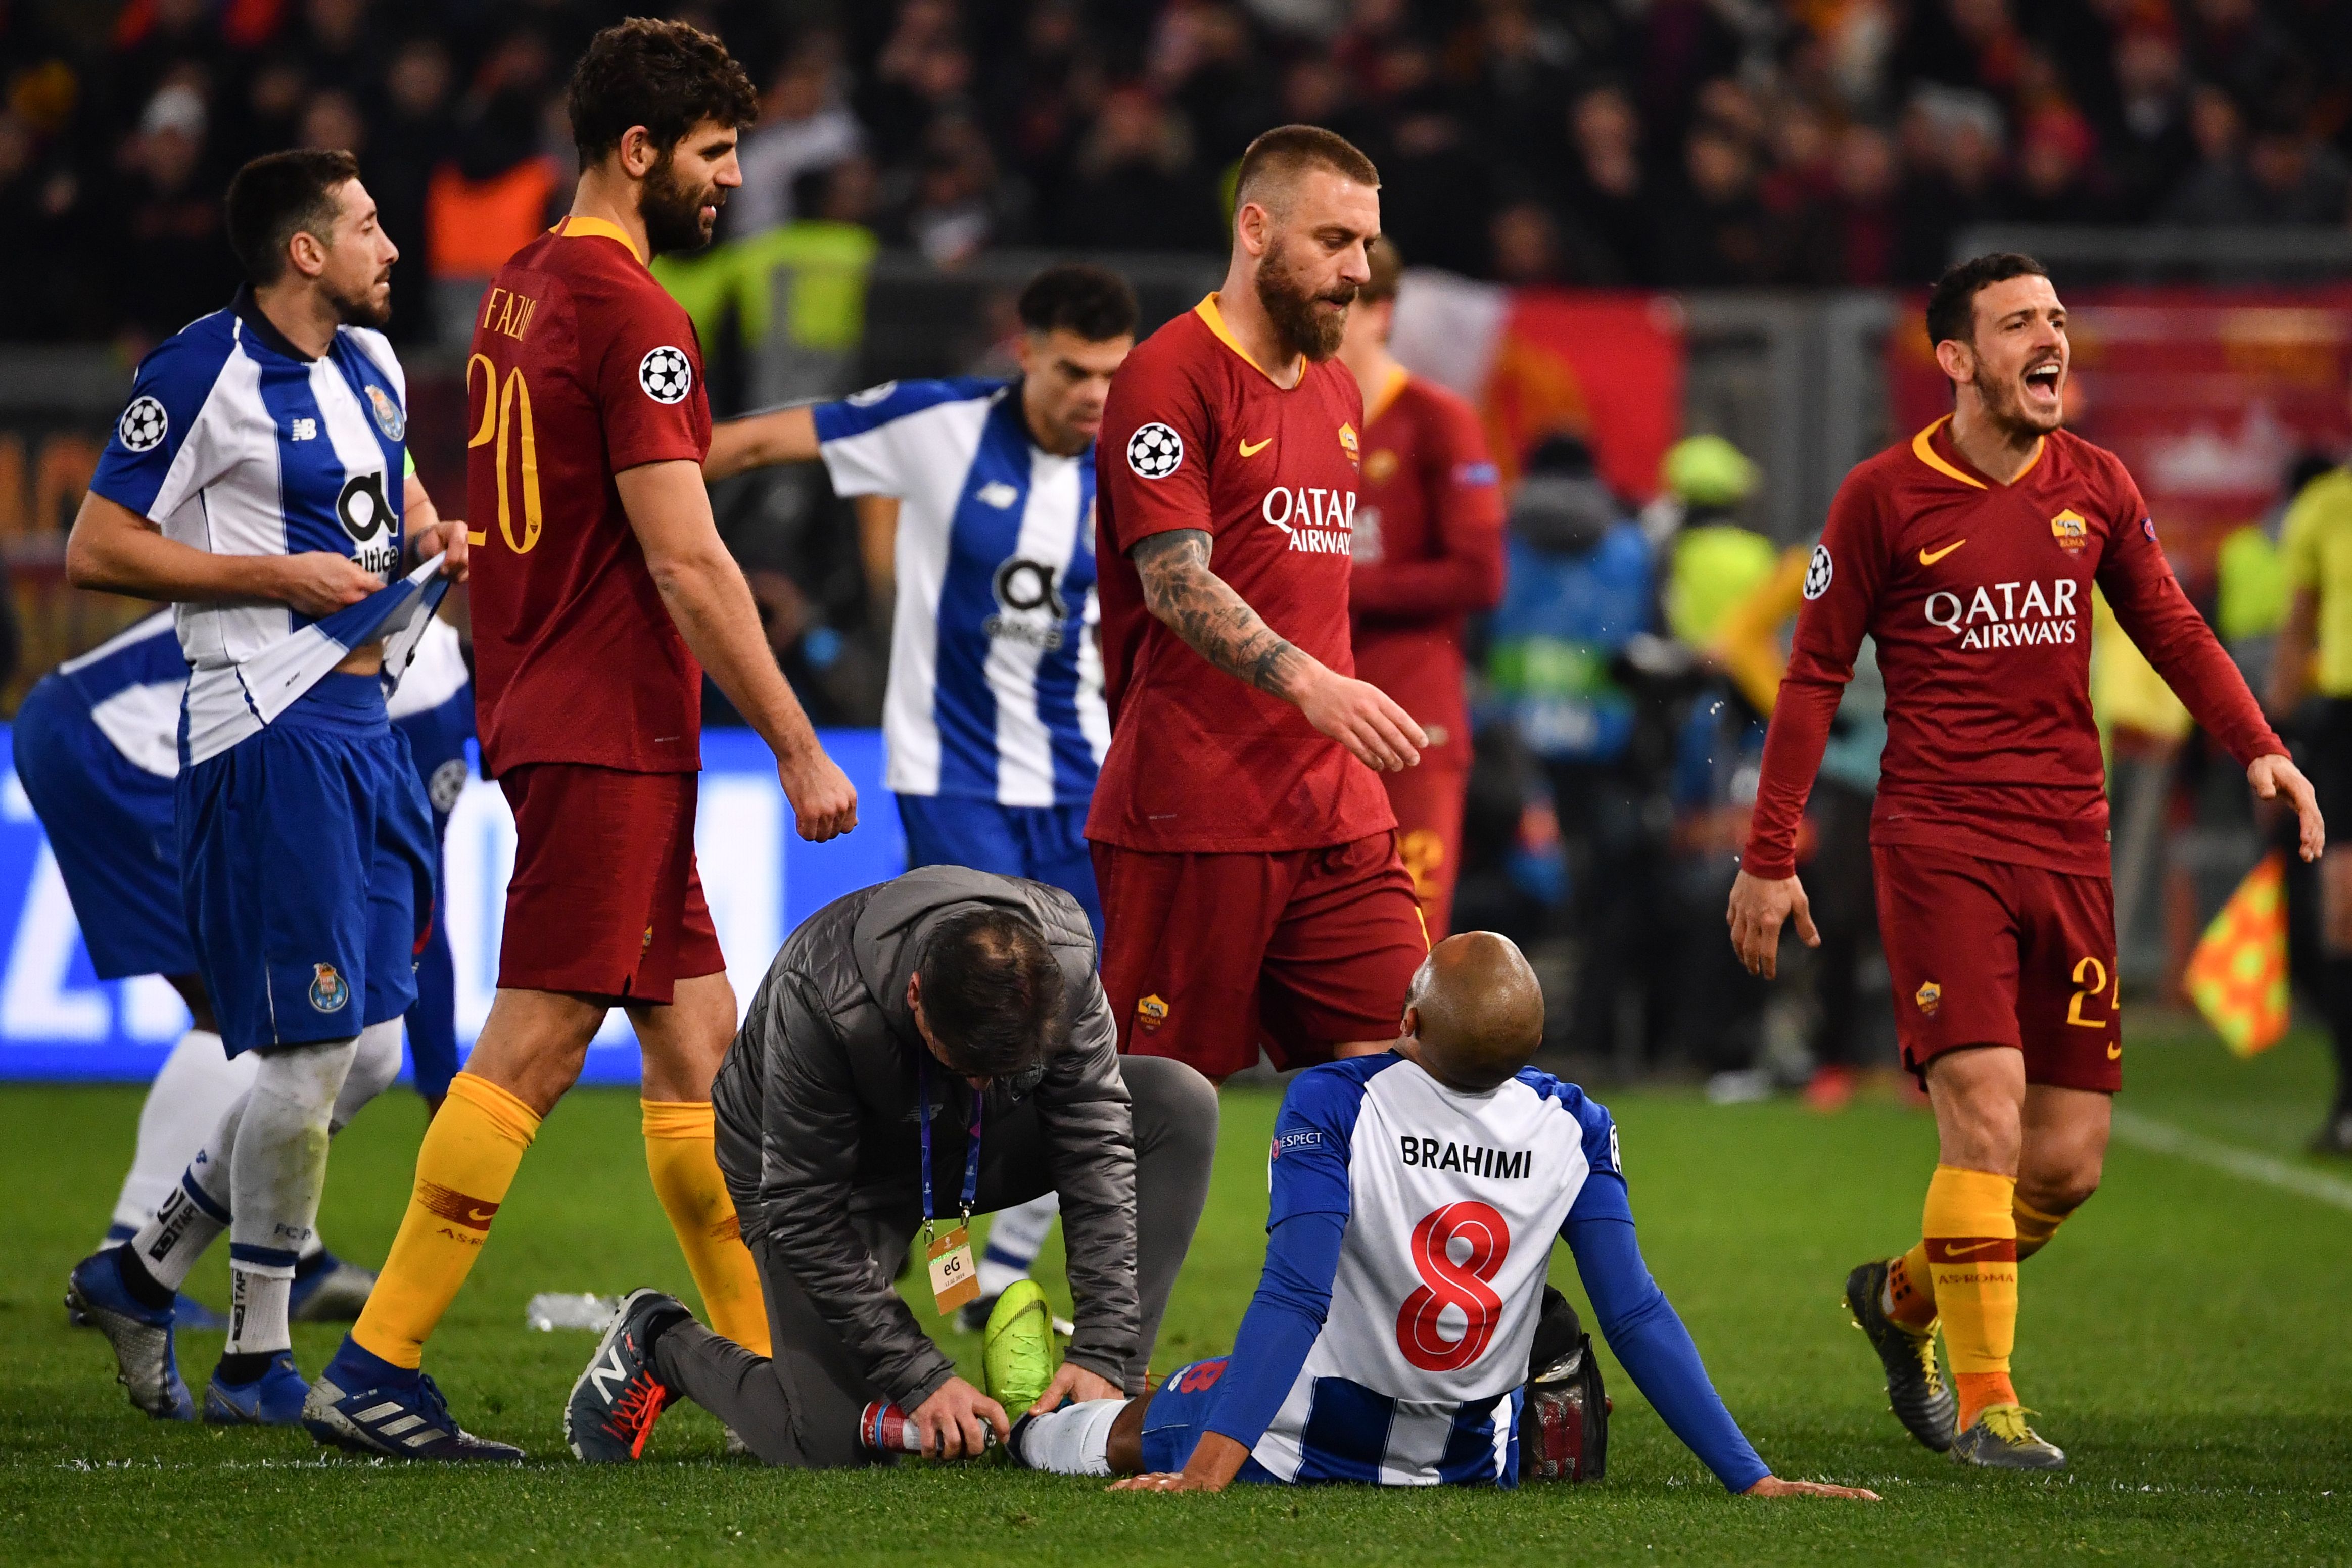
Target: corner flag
(2237,976)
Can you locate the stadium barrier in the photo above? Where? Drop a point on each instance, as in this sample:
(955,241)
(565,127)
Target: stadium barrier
(59,1021)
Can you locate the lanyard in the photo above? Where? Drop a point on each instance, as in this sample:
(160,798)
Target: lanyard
(972,1148)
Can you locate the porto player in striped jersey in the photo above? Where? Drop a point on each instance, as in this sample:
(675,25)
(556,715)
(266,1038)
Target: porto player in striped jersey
(608,593)
(1428,550)
(1968,553)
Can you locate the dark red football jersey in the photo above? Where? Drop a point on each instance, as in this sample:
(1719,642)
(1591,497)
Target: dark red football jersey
(1197,436)
(1978,598)
(1428,551)
(582,366)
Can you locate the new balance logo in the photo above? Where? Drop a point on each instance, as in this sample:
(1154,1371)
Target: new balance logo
(610,1371)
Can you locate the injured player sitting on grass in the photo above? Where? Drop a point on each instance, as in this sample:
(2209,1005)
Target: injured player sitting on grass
(1414,1198)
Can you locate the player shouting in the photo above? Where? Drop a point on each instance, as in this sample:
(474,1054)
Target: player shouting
(1968,554)
(1415,1196)
(1250,881)
(1428,548)
(604,594)
(252,481)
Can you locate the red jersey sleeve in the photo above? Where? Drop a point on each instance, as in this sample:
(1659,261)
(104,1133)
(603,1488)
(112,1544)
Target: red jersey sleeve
(649,390)
(1466,504)
(1159,430)
(2157,617)
(1842,585)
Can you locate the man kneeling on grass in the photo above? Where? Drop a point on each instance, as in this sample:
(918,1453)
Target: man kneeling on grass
(1415,1196)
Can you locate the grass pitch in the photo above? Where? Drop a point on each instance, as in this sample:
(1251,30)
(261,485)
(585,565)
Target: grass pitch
(2184,1339)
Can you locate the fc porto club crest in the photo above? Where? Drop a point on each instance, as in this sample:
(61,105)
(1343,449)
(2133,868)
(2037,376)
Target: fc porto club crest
(329,989)
(388,415)
(2071,531)
(1348,445)
(1929,996)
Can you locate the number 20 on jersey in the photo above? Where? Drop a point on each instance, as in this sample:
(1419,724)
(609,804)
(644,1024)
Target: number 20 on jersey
(505,412)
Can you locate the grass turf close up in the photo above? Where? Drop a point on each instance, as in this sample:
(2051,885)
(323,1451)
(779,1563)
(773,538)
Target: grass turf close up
(2182,1339)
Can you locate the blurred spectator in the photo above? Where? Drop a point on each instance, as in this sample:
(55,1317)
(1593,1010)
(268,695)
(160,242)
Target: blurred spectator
(1527,244)
(2148,146)
(804,126)
(1127,188)
(1718,234)
(1850,236)
(956,205)
(1203,56)
(2279,177)
(398,170)
(171,262)
(1603,191)
(497,188)
(1952,149)
(2053,184)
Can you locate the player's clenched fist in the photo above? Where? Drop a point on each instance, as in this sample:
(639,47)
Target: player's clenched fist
(824,802)
(1361,717)
(1758,908)
(321,582)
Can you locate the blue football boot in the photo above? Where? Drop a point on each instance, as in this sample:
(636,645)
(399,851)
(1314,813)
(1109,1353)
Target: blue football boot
(273,1399)
(365,1403)
(327,1289)
(145,1360)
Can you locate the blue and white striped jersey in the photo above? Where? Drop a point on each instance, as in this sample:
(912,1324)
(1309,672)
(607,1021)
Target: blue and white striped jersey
(995,689)
(236,443)
(1451,1203)
(133,683)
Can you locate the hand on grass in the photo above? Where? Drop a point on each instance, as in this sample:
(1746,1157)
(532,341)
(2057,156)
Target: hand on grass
(1773,1486)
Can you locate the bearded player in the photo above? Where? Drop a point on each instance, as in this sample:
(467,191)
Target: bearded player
(607,594)
(1428,550)
(1251,888)
(1968,554)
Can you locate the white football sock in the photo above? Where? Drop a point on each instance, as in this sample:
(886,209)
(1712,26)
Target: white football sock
(1014,1237)
(256,1312)
(278,1173)
(193,1090)
(197,1210)
(1071,1441)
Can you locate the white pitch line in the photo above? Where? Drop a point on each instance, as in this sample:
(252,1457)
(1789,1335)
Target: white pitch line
(2163,1138)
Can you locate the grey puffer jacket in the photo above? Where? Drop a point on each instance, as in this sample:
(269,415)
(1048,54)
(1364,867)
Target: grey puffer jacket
(816,1103)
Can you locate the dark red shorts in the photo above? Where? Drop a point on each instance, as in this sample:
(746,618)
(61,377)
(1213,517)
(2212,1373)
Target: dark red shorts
(605,899)
(1206,957)
(1989,953)
(1427,800)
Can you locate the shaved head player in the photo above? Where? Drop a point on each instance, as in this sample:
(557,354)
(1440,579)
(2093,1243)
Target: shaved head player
(602,594)
(1968,554)
(1245,849)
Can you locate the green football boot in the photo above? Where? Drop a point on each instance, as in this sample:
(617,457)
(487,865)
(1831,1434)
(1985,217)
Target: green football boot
(2001,1440)
(1016,1354)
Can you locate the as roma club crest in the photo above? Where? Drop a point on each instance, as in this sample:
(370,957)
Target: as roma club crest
(1348,445)
(1150,1012)
(1929,996)
(328,990)
(2071,531)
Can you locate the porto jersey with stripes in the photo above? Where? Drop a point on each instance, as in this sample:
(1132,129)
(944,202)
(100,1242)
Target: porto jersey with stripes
(995,687)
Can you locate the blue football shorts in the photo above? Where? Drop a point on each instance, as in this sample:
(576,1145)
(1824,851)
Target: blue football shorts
(1043,844)
(109,823)
(1178,1414)
(307,861)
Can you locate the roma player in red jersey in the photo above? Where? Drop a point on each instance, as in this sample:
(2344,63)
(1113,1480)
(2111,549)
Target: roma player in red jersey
(607,594)
(1968,553)
(1245,850)
(1428,552)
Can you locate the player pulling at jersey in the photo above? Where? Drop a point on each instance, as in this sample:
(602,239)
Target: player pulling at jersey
(1428,552)
(1415,1197)
(604,594)
(1968,554)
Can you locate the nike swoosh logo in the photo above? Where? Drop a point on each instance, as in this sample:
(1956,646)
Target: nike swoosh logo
(1971,1247)
(1929,558)
(2114,1052)
(1250,450)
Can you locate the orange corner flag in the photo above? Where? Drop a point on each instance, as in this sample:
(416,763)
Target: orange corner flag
(2237,976)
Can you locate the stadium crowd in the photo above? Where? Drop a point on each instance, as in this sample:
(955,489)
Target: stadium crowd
(1676,142)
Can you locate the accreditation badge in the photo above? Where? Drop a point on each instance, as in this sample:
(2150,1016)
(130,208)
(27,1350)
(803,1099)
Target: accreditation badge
(955,1280)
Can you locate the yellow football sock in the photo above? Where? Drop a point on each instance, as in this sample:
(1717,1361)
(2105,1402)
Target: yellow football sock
(2034,1229)
(463,1168)
(685,1176)
(1970,1230)
(1911,1289)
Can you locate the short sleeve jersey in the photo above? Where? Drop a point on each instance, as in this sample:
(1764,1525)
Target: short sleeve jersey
(2318,543)
(582,367)
(1197,436)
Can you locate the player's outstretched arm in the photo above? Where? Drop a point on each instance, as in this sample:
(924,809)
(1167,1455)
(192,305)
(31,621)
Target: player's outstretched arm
(704,593)
(760,441)
(1218,625)
(115,549)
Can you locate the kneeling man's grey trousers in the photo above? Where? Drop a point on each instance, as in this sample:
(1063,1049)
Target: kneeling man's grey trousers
(801,1408)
